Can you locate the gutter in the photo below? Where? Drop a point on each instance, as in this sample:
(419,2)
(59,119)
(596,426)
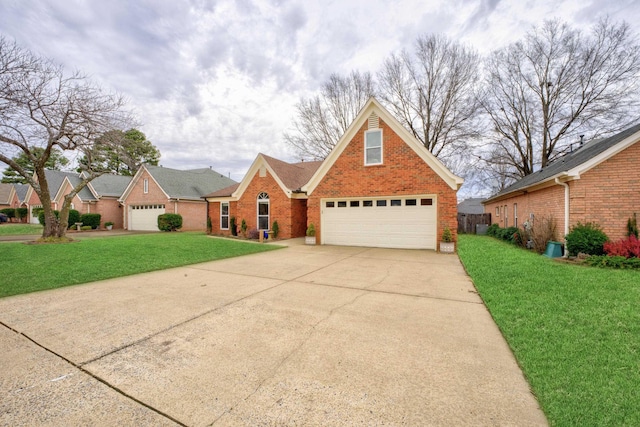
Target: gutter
(566,207)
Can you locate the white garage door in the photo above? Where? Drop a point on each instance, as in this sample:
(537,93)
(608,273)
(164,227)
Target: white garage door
(144,217)
(391,222)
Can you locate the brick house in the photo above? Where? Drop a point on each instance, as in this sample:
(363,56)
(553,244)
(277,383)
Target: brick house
(156,190)
(378,187)
(8,196)
(98,196)
(598,182)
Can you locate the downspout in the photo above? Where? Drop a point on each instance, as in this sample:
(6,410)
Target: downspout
(566,208)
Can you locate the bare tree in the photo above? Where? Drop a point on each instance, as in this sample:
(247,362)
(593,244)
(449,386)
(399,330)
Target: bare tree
(323,119)
(43,110)
(556,83)
(432,92)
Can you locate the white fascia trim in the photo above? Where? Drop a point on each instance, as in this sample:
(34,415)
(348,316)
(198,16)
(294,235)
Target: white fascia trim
(59,192)
(605,155)
(455,182)
(253,170)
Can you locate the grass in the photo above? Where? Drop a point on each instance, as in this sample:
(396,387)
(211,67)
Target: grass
(574,330)
(8,229)
(29,268)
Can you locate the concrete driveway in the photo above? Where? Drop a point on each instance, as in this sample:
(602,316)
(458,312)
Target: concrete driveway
(299,336)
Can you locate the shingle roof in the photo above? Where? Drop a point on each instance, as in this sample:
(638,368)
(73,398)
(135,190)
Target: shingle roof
(21,191)
(225,192)
(56,178)
(5,192)
(569,161)
(110,185)
(188,184)
(471,206)
(293,175)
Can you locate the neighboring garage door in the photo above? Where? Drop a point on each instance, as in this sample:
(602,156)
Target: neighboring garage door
(145,217)
(389,222)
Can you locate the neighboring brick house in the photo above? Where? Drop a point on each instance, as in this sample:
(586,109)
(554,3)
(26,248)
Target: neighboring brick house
(8,197)
(598,182)
(378,187)
(99,196)
(156,190)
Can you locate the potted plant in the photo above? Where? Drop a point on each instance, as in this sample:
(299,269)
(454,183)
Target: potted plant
(447,245)
(311,235)
(108,225)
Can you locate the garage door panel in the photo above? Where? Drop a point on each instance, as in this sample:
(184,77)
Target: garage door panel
(380,226)
(145,217)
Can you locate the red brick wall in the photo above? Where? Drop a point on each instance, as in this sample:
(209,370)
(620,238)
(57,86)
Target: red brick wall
(606,195)
(403,173)
(110,210)
(137,196)
(291,214)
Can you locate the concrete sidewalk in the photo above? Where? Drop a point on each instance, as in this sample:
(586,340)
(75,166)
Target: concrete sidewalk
(301,336)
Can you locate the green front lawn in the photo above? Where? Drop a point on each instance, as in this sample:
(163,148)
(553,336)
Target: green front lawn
(575,330)
(8,229)
(28,267)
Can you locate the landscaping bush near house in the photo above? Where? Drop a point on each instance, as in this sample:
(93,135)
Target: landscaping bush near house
(9,212)
(74,216)
(509,234)
(275,228)
(22,213)
(41,216)
(632,226)
(92,219)
(253,234)
(169,222)
(540,231)
(234,226)
(85,228)
(615,261)
(628,248)
(585,238)
(492,230)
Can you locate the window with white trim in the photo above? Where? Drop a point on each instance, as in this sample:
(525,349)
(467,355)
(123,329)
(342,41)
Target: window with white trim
(373,147)
(263,211)
(515,214)
(224,216)
(145,186)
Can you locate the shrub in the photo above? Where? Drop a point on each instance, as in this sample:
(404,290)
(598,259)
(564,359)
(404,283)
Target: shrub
(243,227)
(234,226)
(108,223)
(9,212)
(628,248)
(492,230)
(447,237)
(22,212)
(85,228)
(275,228)
(606,261)
(169,222)
(585,238)
(311,230)
(74,216)
(253,234)
(92,219)
(209,226)
(41,216)
(539,232)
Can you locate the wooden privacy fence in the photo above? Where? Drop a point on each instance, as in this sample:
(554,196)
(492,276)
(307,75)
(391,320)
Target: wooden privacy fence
(467,222)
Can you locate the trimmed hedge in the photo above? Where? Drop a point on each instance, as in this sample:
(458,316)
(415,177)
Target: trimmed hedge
(169,222)
(9,212)
(92,219)
(41,216)
(22,212)
(74,216)
(586,238)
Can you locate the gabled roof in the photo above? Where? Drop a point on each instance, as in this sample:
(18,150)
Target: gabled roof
(289,176)
(21,191)
(575,163)
(6,193)
(373,106)
(55,179)
(471,205)
(182,184)
(108,185)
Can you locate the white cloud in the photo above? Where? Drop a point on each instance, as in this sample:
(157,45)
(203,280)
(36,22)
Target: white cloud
(215,82)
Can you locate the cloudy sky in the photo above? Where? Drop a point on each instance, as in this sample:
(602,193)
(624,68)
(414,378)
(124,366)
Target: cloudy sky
(214,82)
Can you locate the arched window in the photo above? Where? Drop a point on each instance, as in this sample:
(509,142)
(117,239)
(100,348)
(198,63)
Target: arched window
(263,211)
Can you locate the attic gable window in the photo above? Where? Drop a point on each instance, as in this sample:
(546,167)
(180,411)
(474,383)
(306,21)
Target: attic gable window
(145,185)
(373,147)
